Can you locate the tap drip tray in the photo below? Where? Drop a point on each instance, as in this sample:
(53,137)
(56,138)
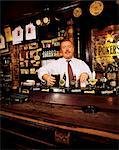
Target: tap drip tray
(89,109)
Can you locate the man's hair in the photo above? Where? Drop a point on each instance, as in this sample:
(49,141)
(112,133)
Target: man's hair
(65,40)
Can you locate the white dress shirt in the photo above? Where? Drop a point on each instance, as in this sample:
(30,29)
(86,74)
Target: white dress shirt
(60,67)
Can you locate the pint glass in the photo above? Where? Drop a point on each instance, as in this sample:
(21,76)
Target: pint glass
(57,78)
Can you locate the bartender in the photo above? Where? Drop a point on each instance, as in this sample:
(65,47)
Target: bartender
(67,65)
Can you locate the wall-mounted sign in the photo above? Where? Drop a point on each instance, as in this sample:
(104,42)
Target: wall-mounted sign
(17,35)
(108,49)
(30,31)
(105,51)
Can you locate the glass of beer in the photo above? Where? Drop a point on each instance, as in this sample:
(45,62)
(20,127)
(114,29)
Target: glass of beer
(57,78)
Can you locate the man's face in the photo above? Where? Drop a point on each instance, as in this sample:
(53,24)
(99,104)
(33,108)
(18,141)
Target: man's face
(67,49)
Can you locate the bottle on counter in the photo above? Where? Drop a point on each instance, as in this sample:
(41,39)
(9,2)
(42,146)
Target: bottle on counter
(64,76)
(83,85)
(62,82)
(103,80)
(112,76)
(73,82)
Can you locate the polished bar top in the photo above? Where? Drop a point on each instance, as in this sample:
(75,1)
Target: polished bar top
(69,111)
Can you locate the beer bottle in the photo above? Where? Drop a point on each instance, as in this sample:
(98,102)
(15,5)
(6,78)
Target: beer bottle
(63,81)
(73,82)
(64,77)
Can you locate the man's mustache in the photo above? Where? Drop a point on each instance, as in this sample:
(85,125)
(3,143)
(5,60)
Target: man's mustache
(67,51)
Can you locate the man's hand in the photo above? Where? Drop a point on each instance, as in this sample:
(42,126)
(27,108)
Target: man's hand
(50,79)
(83,77)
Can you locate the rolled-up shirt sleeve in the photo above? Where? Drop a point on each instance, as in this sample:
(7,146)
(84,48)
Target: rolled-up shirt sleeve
(41,72)
(48,69)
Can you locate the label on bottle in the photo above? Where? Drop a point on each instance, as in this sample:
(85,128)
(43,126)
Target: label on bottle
(75,90)
(36,89)
(45,90)
(107,92)
(89,92)
(62,82)
(57,90)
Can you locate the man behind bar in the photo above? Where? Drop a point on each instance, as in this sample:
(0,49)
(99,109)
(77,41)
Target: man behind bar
(60,66)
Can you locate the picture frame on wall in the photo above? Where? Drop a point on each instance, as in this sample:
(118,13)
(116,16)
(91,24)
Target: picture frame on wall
(8,34)
(2,42)
(5,50)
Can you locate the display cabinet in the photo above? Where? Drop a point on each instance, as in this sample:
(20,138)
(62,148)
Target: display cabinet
(29,60)
(5,77)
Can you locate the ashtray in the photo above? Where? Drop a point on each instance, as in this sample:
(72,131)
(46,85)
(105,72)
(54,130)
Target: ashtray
(89,109)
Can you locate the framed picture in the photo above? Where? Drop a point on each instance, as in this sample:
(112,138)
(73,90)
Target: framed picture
(5,50)
(8,34)
(30,32)
(2,42)
(17,35)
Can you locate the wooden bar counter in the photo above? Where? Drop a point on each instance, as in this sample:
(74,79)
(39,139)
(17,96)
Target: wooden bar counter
(60,120)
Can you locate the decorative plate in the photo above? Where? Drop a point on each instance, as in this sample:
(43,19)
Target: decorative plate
(96,8)
(38,22)
(46,20)
(77,12)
